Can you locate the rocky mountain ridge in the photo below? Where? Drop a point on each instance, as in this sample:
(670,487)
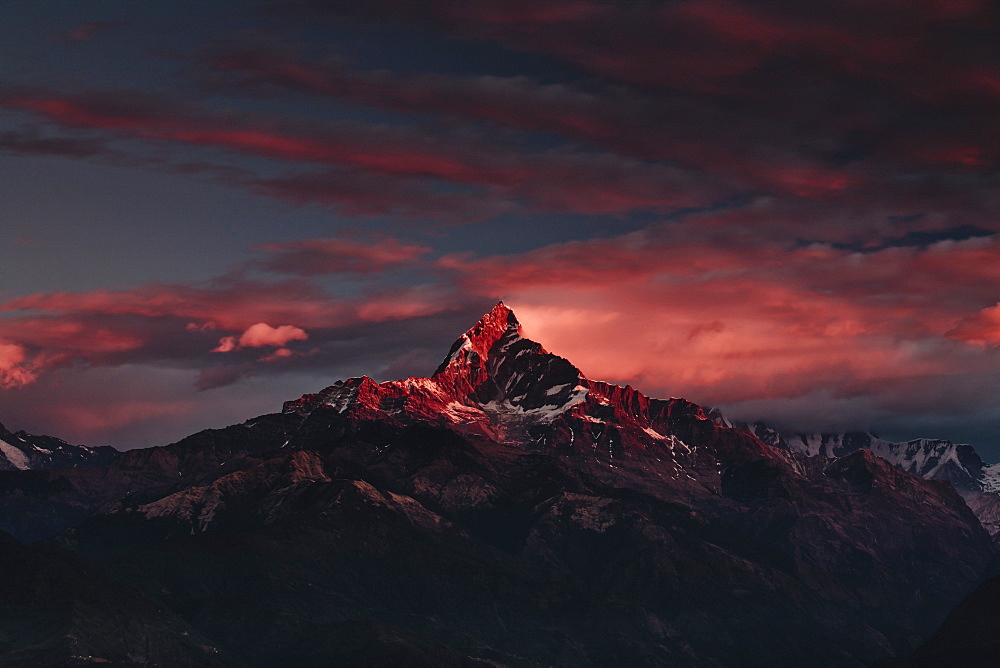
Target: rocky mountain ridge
(508,510)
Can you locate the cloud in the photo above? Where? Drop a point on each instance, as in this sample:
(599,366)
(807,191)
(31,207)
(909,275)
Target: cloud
(261,334)
(278,355)
(231,303)
(339,256)
(798,101)
(560,179)
(15,367)
(179,326)
(750,323)
(357,193)
(981,328)
(87,31)
(726,108)
(736,321)
(593,112)
(31,142)
(762,317)
(517,101)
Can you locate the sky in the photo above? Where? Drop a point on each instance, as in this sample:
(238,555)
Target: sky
(789,210)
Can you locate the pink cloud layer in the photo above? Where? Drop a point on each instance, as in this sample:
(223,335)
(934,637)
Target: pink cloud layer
(675,313)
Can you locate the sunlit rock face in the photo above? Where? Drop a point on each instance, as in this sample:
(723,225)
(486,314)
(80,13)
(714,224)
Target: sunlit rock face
(493,383)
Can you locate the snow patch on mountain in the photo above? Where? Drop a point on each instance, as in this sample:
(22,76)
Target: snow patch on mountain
(16,458)
(655,434)
(991,479)
(462,414)
(540,414)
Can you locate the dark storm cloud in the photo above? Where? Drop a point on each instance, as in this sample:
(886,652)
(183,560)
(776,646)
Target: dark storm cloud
(31,142)
(559,179)
(916,82)
(359,193)
(340,256)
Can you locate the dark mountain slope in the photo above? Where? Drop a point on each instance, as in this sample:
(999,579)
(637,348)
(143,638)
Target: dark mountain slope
(970,636)
(58,609)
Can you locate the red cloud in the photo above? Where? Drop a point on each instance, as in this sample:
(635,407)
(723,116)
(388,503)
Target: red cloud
(15,367)
(230,303)
(173,324)
(279,354)
(262,334)
(723,322)
(696,136)
(701,313)
(564,179)
(735,79)
(73,335)
(88,420)
(982,328)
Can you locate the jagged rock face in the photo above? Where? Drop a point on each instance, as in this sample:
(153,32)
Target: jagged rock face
(493,383)
(509,510)
(21,451)
(479,546)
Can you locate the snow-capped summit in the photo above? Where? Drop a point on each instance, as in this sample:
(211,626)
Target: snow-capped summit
(926,457)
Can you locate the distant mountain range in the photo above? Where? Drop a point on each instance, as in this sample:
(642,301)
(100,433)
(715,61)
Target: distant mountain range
(933,459)
(21,451)
(505,511)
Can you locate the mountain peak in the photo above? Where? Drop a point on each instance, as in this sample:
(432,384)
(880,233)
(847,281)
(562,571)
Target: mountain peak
(479,343)
(493,361)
